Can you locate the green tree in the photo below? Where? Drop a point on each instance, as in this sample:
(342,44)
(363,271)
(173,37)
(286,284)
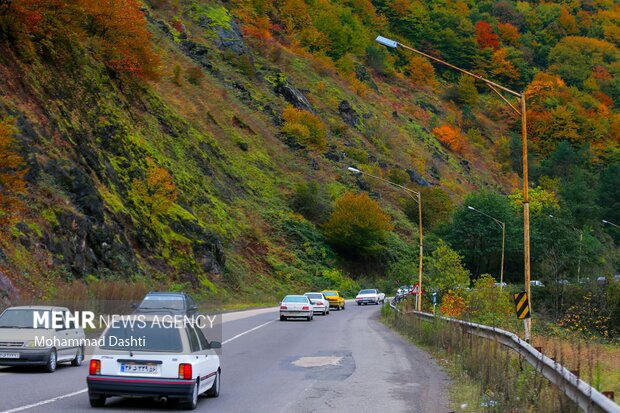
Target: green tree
(466,89)
(437,207)
(444,270)
(312,201)
(357,226)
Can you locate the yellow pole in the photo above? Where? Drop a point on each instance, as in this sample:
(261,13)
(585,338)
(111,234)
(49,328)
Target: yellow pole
(526,215)
(420,270)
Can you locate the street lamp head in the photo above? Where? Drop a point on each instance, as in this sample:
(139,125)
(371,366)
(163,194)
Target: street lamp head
(386,42)
(471,207)
(354,170)
(605,221)
(551,216)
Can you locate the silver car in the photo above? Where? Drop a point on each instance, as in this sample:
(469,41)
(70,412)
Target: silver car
(296,306)
(26,339)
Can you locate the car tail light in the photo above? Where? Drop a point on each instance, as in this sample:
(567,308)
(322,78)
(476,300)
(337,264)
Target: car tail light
(185,371)
(94,367)
(283,307)
(305,307)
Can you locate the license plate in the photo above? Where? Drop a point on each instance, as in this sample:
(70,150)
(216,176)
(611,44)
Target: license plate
(139,368)
(9,355)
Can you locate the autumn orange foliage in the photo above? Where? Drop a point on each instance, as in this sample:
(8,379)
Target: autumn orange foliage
(116,27)
(449,136)
(12,172)
(157,192)
(452,305)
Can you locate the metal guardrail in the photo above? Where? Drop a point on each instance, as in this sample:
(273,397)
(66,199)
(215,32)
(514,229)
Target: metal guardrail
(585,396)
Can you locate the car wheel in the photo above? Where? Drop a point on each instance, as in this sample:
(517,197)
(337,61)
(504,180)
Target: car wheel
(192,402)
(343,306)
(79,357)
(52,362)
(96,400)
(214,391)
(308,318)
(282,318)
(359,303)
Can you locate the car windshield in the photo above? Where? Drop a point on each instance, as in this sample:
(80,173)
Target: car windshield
(329,294)
(143,336)
(316,295)
(295,299)
(368,291)
(21,318)
(156,302)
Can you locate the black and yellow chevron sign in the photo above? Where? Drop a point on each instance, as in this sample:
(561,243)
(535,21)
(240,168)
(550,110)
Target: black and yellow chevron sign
(522,305)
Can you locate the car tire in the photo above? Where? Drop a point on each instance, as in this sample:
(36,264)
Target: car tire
(342,307)
(308,318)
(214,391)
(96,400)
(359,304)
(79,357)
(282,318)
(192,402)
(52,361)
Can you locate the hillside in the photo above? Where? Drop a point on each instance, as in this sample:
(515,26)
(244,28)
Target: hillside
(174,144)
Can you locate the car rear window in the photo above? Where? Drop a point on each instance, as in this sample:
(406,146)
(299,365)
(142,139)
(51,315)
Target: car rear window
(314,295)
(163,301)
(155,337)
(368,291)
(295,299)
(330,294)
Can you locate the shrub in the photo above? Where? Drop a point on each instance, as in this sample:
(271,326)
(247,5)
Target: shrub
(444,270)
(12,172)
(312,201)
(357,226)
(304,127)
(449,136)
(335,279)
(195,75)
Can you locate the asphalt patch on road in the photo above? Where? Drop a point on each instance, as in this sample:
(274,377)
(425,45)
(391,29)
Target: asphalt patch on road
(337,365)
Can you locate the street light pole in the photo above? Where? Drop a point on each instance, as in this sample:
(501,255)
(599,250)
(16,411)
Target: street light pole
(418,199)
(498,89)
(611,223)
(503,227)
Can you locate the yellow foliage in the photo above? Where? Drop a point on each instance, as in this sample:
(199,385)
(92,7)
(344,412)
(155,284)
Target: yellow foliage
(539,199)
(157,192)
(449,136)
(304,127)
(12,172)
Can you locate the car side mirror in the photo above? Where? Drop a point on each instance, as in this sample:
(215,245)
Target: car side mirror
(193,307)
(215,344)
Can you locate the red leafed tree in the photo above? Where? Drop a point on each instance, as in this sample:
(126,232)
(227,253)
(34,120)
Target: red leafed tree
(485,37)
(119,26)
(12,171)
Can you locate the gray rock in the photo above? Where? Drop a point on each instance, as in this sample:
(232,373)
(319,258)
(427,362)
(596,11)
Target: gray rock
(290,93)
(348,114)
(198,52)
(417,178)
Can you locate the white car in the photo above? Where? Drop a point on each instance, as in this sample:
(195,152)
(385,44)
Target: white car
(171,360)
(319,303)
(296,306)
(369,296)
(46,343)
(536,283)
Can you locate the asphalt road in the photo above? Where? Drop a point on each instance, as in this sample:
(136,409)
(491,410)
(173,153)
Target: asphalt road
(345,362)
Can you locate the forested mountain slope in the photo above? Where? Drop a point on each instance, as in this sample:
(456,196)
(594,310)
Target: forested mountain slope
(199,144)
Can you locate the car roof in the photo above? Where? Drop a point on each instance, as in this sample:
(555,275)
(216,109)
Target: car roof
(313,292)
(295,295)
(167,293)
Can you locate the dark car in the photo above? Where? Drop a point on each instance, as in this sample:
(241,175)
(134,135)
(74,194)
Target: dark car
(167,302)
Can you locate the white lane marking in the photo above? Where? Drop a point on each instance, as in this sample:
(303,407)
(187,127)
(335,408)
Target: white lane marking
(44,402)
(246,332)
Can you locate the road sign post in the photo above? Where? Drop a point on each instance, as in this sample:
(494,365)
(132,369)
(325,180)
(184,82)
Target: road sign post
(435,303)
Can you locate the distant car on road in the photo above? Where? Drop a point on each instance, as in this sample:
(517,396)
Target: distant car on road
(296,306)
(319,302)
(152,359)
(23,345)
(536,283)
(501,284)
(334,298)
(167,302)
(368,296)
